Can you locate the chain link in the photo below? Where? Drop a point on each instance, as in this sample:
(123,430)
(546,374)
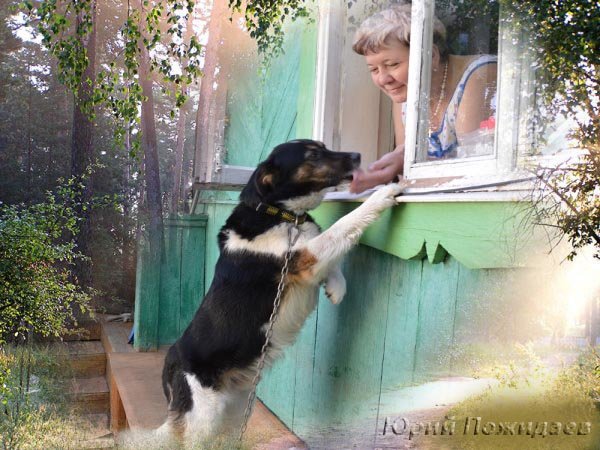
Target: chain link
(269,333)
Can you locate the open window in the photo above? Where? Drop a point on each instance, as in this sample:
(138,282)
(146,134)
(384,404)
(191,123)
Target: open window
(352,114)
(252,107)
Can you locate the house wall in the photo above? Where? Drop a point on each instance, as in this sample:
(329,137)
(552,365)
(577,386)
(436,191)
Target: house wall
(403,322)
(169,290)
(423,282)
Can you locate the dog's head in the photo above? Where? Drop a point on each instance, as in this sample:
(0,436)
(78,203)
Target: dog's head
(296,173)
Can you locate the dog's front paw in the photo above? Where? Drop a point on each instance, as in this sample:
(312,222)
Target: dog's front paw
(335,287)
(385,196)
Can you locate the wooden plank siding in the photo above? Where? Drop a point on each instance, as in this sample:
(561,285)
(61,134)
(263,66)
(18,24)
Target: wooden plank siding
(398,326)
(394,329)
(169,289)
(262,103)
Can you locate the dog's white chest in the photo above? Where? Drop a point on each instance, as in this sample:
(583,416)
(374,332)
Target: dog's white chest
(298,304)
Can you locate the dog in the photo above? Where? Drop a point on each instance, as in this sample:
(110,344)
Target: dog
(209,371)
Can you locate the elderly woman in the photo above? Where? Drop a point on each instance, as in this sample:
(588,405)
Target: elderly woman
(462,88)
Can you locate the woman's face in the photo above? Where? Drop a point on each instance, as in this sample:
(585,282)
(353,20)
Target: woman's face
(389,70)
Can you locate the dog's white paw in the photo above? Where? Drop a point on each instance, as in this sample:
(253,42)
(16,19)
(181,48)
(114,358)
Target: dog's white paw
(385,196)
(335,287)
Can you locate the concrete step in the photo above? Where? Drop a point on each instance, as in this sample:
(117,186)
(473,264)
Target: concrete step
(90,395)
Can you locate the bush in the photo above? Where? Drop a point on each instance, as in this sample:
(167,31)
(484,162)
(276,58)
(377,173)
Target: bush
(37,251)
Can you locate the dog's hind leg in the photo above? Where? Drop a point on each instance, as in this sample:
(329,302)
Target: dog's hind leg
(206,416)
(234,413)
(337,240)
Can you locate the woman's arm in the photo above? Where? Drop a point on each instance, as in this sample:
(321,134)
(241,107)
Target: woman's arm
(398,124)
(475,104)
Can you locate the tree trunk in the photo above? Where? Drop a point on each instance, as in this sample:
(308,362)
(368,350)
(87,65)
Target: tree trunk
(176,196)
(180,146)
(203,120)
(82,151)
(29,144)
(151,245)
(150,147)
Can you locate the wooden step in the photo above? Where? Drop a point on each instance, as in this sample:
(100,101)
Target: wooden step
(86,358)
(115,337)
(90,395)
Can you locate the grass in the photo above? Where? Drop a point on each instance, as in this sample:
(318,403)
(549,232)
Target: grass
(36,414)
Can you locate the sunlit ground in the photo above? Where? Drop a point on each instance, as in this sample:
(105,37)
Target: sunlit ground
(563,408)
(547,394)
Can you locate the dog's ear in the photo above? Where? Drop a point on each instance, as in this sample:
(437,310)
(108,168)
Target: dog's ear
(259,185)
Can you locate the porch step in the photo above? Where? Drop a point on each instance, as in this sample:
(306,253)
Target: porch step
(137,401)
(90,395)
(115,337)
(86,358)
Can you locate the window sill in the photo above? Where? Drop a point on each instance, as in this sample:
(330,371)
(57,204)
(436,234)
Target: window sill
(514,187)
(482,228)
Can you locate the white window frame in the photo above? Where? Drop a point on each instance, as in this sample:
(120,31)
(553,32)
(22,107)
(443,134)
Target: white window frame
(331,88)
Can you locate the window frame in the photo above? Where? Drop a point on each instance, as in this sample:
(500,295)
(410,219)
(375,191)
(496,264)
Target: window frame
(509,125)
(329,115)
(504,156)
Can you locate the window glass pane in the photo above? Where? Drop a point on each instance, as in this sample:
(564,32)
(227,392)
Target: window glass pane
(462,101)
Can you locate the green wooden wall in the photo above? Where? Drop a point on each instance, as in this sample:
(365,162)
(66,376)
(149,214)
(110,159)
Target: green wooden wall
(414,284)
(401,324)
(170,288)
(262,102)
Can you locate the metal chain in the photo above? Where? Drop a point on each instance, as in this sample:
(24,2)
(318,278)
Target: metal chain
(263,352)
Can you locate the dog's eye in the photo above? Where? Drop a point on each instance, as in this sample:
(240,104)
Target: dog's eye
(312,155)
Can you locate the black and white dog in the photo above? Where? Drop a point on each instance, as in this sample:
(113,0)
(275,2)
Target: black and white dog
(208,372)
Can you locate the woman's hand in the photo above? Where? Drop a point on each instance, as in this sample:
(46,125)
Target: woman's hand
(381,171)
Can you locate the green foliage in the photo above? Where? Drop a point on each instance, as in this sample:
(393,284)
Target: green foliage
(37,293)
(156,26)
(565,37)
(575,185)
(565,41)
(265,19)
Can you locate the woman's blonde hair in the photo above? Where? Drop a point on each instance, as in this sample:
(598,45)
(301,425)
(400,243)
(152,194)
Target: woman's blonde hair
(381,28)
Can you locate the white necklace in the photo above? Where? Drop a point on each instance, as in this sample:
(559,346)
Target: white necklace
(442,91)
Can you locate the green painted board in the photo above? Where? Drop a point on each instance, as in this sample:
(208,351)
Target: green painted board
(304,371)
(402,323)
(192,270)
(170,286)
(262,102)
(478,234)
(147,296)
(437,300)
